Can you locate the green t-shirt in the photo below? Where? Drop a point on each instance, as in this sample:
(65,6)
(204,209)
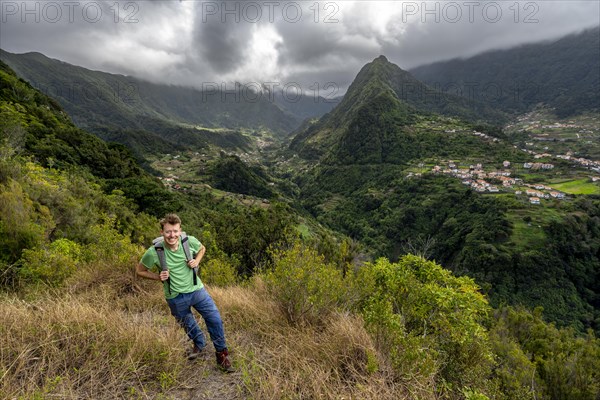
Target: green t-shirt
(180,274)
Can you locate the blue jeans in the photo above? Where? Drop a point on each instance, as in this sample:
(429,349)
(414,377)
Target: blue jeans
(200,299)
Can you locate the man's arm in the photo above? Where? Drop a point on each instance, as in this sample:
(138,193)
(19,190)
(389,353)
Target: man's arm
(194,262)
(141,270)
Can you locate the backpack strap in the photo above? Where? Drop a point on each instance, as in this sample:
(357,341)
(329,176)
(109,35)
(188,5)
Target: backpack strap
(159,247)
(186,246)
(188,253)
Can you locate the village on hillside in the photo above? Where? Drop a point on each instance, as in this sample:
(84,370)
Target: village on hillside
(494,181)
(576,138)
(475,177)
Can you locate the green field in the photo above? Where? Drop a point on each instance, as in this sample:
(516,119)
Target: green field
(525,235)
(579,186)
(528,232)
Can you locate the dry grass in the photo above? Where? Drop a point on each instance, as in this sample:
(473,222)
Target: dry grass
(336,360)
(74,348)
(117,340)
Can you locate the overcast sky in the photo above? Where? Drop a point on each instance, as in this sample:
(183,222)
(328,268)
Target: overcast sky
(277,43)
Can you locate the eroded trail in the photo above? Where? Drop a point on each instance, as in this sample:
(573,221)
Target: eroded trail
(207,382)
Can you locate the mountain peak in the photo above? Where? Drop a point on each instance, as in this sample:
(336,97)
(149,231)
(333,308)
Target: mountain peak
(370,124)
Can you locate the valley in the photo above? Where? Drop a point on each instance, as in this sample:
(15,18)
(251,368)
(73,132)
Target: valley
(532,192)
(432,233)
(554,166)
(487,192)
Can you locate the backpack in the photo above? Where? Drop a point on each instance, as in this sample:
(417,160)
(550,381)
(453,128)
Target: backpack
(159,246)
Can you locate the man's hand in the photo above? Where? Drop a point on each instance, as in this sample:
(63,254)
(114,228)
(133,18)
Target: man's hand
(163,275)
(143,272)
(193,263)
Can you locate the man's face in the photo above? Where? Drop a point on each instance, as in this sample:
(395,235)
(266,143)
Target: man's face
(171,233)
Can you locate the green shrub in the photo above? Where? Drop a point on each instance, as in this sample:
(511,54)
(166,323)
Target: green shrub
(21,225)
(514,371)
(52,264)
(306,288)
(107,246)
(428,322)
(538,360)
(474,395)
(218,273)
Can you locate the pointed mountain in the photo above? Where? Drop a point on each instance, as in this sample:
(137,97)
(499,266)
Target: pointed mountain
(374,122)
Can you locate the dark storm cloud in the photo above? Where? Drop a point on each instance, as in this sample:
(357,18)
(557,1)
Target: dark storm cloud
(221,42)
(93,34)
(423,39)
(185,42)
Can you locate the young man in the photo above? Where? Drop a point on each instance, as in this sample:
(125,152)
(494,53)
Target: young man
(183,289)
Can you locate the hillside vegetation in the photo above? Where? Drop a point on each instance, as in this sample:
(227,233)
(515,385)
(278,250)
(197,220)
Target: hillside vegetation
(358,160)
(375,174)
(303,320)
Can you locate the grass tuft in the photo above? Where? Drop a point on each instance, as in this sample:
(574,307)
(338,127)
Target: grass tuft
(74,348)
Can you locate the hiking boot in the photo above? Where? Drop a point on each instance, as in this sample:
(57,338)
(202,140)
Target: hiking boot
(223,361)
(195,353)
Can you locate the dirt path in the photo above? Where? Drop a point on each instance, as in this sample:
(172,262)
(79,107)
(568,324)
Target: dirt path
(208,382)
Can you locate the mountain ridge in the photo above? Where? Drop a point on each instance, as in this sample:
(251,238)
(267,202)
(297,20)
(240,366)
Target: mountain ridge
(105,104)
(563,73)
(128,97)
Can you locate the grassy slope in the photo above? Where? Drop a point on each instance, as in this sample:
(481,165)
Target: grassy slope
(109,335)
(119,340)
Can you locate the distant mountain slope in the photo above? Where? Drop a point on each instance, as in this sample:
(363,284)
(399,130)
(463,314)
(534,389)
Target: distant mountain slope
(43,130)
(97,100)
(564,74)
(376,120)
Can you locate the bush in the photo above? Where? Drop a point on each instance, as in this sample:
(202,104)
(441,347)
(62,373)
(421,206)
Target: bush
(50,265)
(106,246)
(306,288)
(21,226)
(428,322)
(218,273)
(538,360)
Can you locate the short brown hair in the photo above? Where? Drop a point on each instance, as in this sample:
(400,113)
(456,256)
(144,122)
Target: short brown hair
(172,219)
